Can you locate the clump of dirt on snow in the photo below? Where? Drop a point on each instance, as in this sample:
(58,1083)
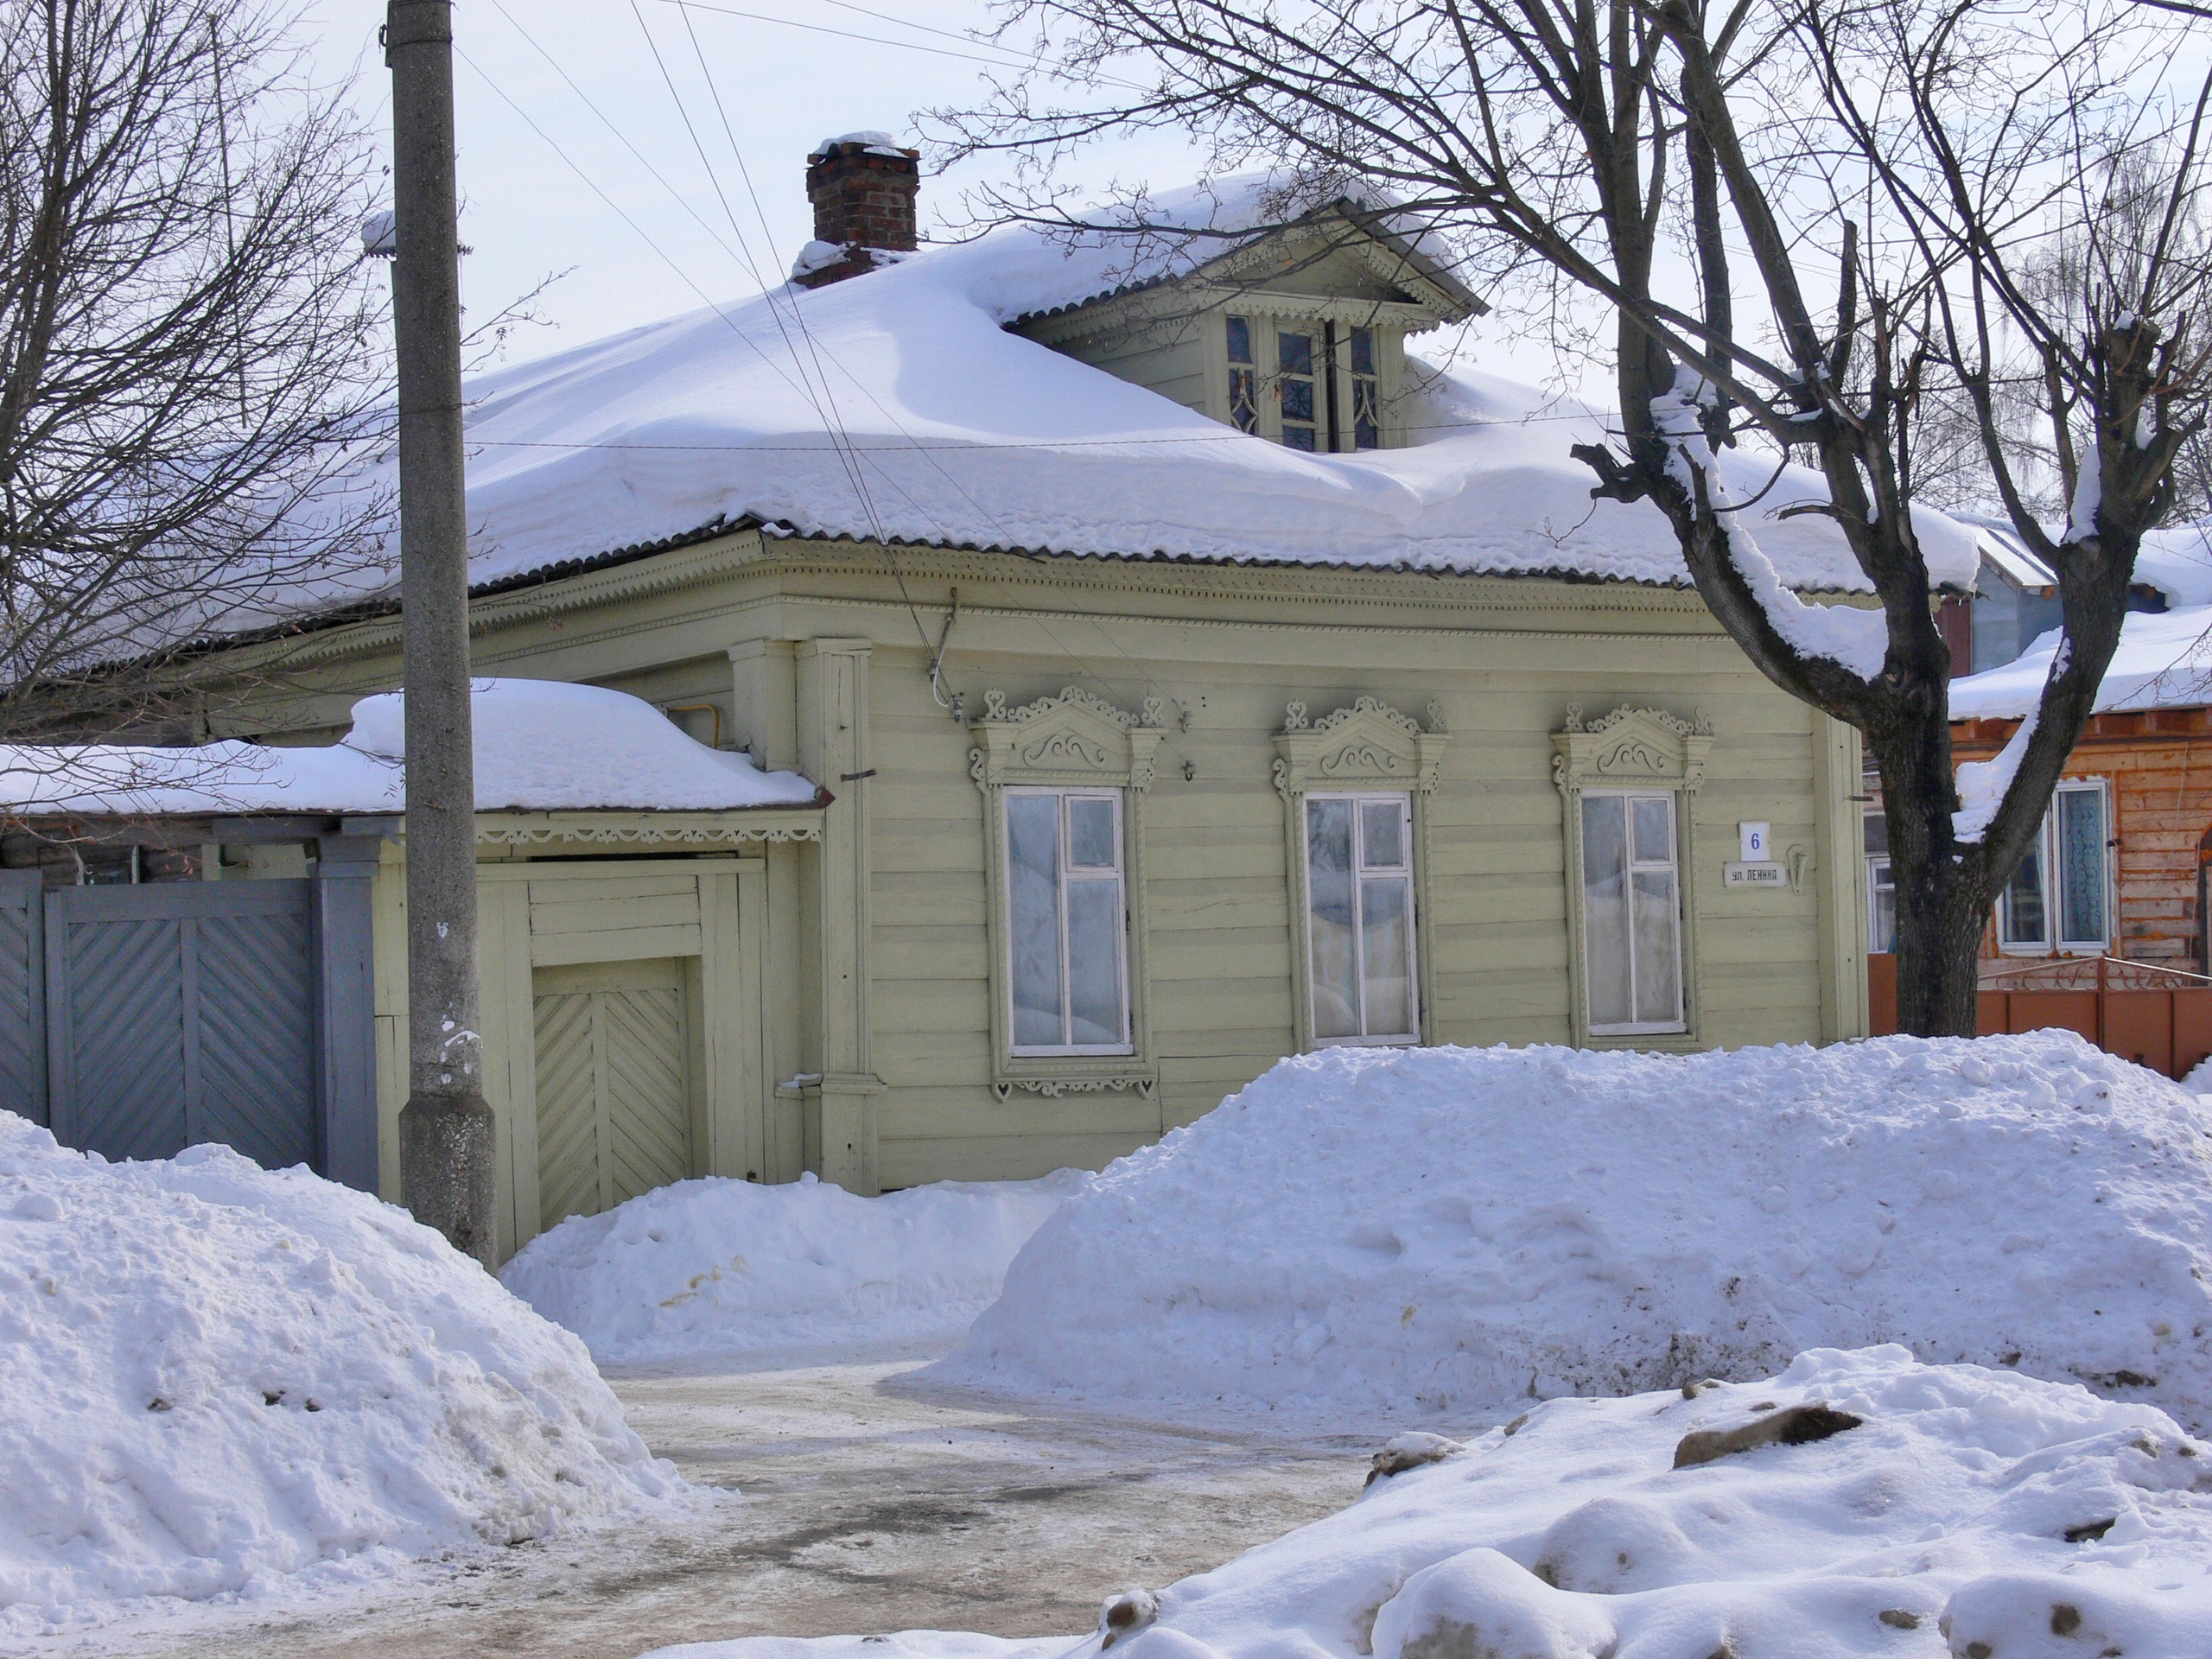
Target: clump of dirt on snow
(213,1376)
(1411,1232)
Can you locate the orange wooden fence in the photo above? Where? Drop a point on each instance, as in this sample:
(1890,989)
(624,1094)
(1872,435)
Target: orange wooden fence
(2158,1017)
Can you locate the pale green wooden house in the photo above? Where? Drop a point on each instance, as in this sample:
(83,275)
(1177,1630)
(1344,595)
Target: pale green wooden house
(1193,675)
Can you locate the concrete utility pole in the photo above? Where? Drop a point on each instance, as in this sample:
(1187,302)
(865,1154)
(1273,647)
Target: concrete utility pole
(445,1129)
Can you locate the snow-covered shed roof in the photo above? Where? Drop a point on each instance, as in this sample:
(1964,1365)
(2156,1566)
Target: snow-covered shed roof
(897,406)
(2164,661)
(541,746)
(2176,560)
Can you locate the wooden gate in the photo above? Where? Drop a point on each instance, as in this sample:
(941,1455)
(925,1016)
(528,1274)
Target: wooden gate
(614,1086)
(23,996)
(179,1012)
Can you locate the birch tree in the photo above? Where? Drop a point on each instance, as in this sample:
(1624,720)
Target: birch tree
(1795,227)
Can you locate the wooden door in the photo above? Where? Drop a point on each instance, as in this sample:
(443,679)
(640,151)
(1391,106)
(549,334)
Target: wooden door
(615,1083)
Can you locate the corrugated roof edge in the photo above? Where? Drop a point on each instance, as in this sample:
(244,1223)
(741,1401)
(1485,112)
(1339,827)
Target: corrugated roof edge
(785,532)
(1366,218)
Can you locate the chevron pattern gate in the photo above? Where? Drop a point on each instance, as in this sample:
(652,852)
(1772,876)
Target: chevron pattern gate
(613,1085)
(179,1013)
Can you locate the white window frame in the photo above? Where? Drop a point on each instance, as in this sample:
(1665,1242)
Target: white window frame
(2054,897)
(1076,743)
(1878,867)
(1672,864)
(1069,874)
(1403,801)
(1635,751)
(1368,749)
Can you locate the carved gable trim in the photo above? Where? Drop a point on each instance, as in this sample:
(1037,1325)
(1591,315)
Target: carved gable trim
(1630,747)
(1073,740)
(1366,746)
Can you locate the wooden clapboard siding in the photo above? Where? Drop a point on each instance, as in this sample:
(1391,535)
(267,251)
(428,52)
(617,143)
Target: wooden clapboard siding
(1227,648)
(2158,764)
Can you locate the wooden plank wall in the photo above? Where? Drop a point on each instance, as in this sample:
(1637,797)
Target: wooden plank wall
(2159,763)
(1219,893)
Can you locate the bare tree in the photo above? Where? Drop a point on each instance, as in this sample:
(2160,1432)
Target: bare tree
(190,352)
(1691,177)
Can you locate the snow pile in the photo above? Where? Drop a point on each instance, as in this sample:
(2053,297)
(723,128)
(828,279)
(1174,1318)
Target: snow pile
(952,429)
(213,1376)
(1402,1233)
(540,745)
(728,1266)
(1967,1512)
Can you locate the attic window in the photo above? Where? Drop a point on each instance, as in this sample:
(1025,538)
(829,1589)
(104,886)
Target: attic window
(1366,422)
(1295,388)
(1243,395)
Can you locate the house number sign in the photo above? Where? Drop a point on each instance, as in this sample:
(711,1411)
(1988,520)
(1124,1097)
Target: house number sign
(1755,867)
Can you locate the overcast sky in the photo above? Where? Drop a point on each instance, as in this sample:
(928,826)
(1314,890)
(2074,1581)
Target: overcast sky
(550,186)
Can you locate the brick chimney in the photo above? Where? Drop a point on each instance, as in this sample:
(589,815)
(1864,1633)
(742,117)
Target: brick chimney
(863,188)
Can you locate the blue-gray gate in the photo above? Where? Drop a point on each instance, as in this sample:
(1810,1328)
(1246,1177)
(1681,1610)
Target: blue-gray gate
(136,1020)
(182,1012)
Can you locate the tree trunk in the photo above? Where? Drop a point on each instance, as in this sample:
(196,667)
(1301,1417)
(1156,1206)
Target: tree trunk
(1943,900)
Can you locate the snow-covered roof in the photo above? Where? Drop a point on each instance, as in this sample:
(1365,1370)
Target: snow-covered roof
(2164,661)
(952,431)
(541,746)
(2175,560)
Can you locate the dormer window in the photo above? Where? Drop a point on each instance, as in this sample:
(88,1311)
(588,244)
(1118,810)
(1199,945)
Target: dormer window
(1296,387)
(1316,384)
(1243,378)
(1366,405)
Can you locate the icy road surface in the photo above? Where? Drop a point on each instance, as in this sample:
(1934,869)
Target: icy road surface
(871,1505)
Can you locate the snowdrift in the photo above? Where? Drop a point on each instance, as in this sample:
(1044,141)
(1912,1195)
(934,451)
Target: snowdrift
(723,1267)
(1969,1511)
(1402,1233)
(212,1376)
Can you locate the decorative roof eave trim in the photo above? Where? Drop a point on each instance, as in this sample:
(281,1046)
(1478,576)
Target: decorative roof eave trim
(287,638)
(550,591)
(634,827)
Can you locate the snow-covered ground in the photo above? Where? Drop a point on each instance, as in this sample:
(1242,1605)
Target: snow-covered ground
(1389,1235)
(1948,1509)
(725,1266)
(218,1380)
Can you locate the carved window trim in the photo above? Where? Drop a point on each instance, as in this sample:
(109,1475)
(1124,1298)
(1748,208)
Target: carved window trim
(1639,751)
(1367,748)
(1074,741)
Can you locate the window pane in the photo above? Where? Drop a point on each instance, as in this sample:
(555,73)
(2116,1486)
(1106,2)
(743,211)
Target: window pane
(2082,865)
(1240,340)
(2024,916)
(1604,908)
(1299,437)
(1298,400)
(1362,350)
(1032,838)
(1243,401)
(1296,355)
(1329,894)
(1095,961)
(1658,950)
(1383,913)
(1091,832)
(1654,823)
(1382,835)
(1877,832)
(1882,905)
